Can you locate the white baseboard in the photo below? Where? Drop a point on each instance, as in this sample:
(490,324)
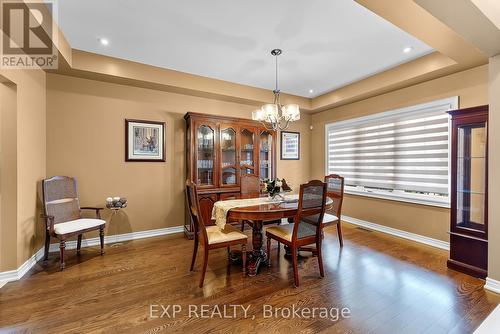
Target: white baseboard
(398,233)
(492,285)
(491,324)
(14,275)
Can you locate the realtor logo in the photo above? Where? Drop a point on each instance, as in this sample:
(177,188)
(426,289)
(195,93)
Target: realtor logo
(27,35)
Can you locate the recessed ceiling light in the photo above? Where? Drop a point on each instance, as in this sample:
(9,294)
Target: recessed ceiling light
(311,91)
(104,41)
(408,49)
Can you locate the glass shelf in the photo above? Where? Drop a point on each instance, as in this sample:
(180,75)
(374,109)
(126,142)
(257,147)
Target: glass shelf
(471,177)
(471,192)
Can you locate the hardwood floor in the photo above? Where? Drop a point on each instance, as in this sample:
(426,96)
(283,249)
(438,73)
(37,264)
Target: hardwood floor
(389,285)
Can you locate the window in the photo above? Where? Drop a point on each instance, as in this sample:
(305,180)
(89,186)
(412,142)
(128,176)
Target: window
(400,154)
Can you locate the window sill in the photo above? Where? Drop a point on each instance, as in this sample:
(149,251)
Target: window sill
(398,198)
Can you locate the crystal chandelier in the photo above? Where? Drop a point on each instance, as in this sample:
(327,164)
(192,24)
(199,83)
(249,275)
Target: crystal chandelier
(275,116)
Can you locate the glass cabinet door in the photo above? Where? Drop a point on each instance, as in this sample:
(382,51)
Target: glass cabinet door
(471,177)
(265,154)
(247,154)
(228,156)
(206,155)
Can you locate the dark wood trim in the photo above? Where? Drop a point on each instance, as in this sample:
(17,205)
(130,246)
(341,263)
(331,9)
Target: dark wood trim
(467,268)
(281,145)
(127,159)
(468,246)
(483,109)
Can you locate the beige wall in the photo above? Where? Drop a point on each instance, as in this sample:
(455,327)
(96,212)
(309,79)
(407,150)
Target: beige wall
(29,138)
(85,139)
(8,175)
(472,88)
(494,175)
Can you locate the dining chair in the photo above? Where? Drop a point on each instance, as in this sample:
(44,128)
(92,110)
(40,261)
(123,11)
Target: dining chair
(249,188)
(62,215)
(211,237)
(306,227)
(335,190)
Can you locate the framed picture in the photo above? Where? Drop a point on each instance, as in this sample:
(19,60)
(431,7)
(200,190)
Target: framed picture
(290,145)
(144,140)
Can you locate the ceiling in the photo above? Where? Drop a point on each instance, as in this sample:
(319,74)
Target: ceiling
(326,44)
(490,8)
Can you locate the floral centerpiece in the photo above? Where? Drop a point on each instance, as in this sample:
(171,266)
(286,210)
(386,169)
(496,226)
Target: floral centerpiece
(274,187)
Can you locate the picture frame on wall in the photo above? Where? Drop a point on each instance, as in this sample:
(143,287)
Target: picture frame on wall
(144,141)
(290,145)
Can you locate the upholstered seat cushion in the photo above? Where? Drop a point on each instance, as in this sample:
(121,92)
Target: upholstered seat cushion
(217,236)
(329,218)
(285,231)
(77,225)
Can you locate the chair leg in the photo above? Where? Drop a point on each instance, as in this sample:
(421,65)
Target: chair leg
(339,230)
(205,262)
(101,237)
(268,251)
(195,250)
(320,258)
(242,225)
(279,245)
(47,246)
(295,267)
(78,244)
(244,257)
(62,247)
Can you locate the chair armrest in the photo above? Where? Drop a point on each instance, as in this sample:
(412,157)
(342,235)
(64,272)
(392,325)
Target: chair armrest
(95,208)
(49,222)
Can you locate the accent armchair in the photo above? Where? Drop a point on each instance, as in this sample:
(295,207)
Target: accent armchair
(62,215)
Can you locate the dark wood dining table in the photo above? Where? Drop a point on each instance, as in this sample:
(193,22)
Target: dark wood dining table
(258,214)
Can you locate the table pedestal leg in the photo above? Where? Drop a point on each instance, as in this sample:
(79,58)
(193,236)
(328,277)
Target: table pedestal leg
(258,255)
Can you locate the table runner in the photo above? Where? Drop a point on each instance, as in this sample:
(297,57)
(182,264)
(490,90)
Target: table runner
(221,208)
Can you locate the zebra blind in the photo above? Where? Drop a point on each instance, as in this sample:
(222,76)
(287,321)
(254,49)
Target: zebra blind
(402,152)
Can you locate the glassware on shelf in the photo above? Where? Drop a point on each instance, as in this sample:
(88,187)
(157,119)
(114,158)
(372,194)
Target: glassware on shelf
(265,155)
(247,152)
(206,154)
(228,156)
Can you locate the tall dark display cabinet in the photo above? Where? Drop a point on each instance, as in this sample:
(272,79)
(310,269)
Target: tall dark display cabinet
(469,191)
(221,149)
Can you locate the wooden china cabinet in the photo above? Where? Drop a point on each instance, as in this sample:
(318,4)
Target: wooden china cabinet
(469,191)
(221,149)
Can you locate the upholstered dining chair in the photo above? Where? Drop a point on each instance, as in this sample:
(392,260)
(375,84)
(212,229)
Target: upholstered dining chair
(211,237)
(62,215)
(249,188)
(306,228)
(335,190)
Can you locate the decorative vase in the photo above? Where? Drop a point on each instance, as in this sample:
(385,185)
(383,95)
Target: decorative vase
(275,195)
